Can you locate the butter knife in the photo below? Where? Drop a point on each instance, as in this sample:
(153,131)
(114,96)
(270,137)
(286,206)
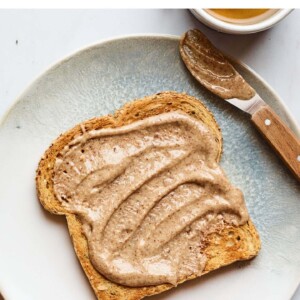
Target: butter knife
(210,67)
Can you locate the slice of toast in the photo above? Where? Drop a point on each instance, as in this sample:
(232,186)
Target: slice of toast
(222,248)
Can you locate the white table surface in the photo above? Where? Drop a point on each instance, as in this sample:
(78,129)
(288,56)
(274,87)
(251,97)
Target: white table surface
(32,40)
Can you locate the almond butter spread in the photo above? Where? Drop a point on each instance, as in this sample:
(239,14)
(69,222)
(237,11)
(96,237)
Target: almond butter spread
(209,66)
(148,194)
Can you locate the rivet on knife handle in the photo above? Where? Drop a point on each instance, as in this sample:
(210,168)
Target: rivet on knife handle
(280,137)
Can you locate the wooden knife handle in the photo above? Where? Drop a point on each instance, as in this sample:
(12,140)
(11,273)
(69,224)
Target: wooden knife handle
(280,137)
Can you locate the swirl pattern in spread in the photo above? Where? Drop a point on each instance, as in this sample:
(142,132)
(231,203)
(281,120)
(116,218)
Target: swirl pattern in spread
(147,195)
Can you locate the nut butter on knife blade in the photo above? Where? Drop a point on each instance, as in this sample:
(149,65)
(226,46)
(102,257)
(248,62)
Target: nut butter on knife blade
(209,66)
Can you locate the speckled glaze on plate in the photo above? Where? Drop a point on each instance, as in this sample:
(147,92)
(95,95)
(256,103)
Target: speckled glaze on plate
(37,260)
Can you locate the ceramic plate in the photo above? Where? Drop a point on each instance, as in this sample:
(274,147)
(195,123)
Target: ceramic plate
(37,260)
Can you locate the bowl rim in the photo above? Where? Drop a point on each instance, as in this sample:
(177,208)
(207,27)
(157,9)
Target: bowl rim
(203,16)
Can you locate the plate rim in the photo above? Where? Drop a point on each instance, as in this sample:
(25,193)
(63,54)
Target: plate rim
(78,51)
(282,104)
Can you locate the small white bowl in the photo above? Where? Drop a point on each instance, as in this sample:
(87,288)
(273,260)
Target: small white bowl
(234,28)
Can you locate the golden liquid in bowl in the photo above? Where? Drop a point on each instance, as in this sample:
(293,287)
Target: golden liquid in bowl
(244,16)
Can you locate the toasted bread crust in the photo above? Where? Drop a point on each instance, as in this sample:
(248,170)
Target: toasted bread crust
(222,248)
